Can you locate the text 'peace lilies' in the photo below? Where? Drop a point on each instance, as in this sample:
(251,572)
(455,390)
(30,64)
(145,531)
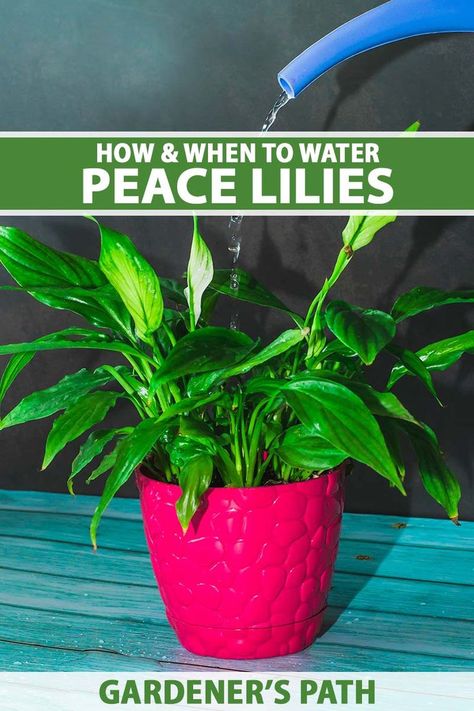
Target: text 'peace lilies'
(215,407)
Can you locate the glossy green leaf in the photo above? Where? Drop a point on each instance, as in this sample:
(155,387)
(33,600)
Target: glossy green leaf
(437,478)
(195,436)
(283,343)
(264,384)
(198,430)
(336,348)
(173,290)
(130,452)
(133,278)
(73,338)
(250,290)
(66,392)
(190,404)
(304,448)
(33,264)
(209,303)
(92,447)
(12,370)
(105,465)
(86,412)
(423,299)
(199,275)
(340,416)
(194,479)
(202,350)
(410,363)
(391,431)
(380,403)
(101,306)
(361,230)
(184,448)
(365,331)
(440,355)
(61,280)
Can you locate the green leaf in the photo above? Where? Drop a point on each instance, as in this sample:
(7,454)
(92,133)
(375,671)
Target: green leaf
(86,412)
(12,370)
(338,415)
(411,363)
(438,480)
(105,465)
(101,306)
(173,290)
(423,299)
(250,290)
(66,392)
(198,430)
(33,264)
(200,273)
(365,331)
(130,452)
(73,338)
(190,404)
(183,448)
(92,447)
(284,342)
(196,437)
(61,280)
(304,448)
(202,350)
(440,355)
(194,479)
(264,384)
(390,432)
(133,278)
(209,302)
(361,230)
(382,404)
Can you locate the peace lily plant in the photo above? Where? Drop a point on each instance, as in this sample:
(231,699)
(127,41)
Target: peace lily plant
(214,407)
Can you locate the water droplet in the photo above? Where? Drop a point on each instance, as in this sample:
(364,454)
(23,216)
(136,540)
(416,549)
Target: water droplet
(235,222)
(272,114)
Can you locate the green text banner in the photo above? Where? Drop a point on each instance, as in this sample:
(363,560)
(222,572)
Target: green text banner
(241,173)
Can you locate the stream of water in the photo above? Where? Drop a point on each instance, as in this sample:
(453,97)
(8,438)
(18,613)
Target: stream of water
(235,222)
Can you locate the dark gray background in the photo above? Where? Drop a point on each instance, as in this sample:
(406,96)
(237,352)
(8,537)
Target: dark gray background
(211,65)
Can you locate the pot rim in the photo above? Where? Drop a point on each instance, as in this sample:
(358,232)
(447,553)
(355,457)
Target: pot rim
(336,470)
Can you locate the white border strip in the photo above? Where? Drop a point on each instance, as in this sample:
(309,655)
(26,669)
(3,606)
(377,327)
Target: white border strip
(236,134)
(225,213)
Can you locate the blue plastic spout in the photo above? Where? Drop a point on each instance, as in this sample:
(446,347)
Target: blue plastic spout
(390,22)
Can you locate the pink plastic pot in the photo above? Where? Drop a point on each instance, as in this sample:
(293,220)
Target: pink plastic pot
(251,576)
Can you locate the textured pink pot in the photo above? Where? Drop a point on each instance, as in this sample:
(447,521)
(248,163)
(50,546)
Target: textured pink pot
(250,577)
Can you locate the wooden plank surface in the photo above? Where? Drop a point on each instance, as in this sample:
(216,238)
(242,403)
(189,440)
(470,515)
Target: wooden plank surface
(402,597)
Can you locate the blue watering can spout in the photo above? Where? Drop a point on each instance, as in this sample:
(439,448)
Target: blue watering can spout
(390,22)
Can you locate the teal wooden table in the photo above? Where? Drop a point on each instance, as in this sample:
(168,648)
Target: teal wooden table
(402,597)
